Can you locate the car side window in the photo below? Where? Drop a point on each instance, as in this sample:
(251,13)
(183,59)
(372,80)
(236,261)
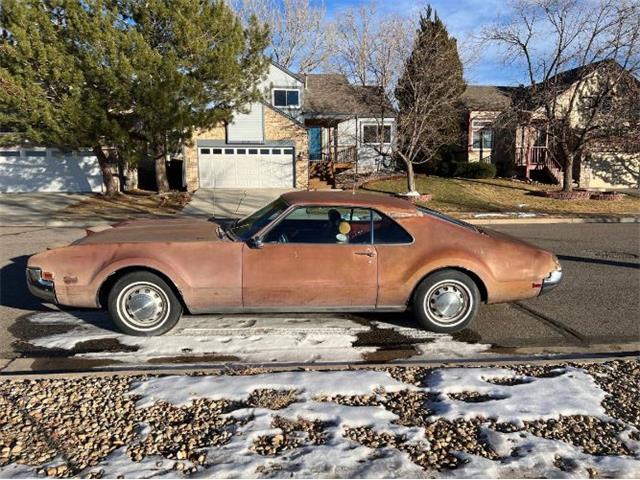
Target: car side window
(326,225)
(387,231)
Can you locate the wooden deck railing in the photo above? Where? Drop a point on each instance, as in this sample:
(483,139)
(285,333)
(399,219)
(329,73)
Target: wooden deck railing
(539,158)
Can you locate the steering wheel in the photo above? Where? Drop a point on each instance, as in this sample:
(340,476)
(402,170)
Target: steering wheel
(282,238)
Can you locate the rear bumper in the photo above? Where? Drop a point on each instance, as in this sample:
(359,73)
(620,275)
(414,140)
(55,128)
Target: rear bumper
(551,282)
(44,289)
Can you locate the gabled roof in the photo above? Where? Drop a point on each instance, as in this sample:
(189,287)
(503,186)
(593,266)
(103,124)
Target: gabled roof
(498,98)
(331,93)
(487,97)
(298,77)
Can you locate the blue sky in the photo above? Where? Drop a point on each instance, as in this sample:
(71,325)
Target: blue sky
(464,19)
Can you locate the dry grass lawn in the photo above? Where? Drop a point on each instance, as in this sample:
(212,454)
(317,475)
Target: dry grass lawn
(464,197)
(127,205)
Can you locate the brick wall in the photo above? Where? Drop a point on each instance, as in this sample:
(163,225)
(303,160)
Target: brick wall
(279,127)
(191,154)
(276,126)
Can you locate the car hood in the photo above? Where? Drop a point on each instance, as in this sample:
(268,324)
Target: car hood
(152,231)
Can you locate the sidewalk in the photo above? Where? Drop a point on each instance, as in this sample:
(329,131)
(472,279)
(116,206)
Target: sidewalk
(52,210)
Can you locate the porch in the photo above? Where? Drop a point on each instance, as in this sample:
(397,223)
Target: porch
(329,155)
(538,159)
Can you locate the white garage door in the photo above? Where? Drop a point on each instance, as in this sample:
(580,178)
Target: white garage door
(246,167)
(38,169)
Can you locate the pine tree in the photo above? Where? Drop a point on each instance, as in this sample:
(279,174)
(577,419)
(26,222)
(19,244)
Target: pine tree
(46,96)
(428,93)
(195,64)
(133,75)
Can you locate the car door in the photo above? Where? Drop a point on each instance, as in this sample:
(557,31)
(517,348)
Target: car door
(309,260)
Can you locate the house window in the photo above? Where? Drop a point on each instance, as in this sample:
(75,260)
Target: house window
(276,151)
(217,151)
(241,151)
(264,151)
(286,98)
(374,133)
(228,151)
(205,151)
(482,134)
(253,151)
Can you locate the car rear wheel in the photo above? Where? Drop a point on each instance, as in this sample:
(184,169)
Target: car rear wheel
(446,301)
(143,304)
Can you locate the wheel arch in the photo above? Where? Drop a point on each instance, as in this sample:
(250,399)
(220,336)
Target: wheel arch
(109,281)
(482,288)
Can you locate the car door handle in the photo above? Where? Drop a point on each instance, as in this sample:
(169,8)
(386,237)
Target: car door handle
(368,254)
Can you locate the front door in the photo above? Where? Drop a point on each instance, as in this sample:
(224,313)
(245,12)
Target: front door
(315,143)
(317,257)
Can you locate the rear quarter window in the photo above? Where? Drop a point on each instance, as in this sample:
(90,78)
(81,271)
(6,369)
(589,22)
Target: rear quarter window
(387,231)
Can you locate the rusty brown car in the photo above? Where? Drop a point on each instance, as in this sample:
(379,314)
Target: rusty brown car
(304,252)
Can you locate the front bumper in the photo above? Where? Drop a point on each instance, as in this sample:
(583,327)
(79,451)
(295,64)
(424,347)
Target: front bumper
(44,289)
(551,282)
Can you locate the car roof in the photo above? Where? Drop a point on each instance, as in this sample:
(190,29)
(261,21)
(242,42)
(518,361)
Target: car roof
(392,206)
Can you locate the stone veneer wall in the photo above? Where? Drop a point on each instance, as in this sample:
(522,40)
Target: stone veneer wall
(276,126)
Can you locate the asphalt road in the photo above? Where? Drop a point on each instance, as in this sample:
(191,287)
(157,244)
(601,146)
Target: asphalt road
(598,303)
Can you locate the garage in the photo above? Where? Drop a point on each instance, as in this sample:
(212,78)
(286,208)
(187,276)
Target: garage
(246,166)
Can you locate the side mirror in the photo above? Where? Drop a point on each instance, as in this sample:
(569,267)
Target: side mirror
(255,242)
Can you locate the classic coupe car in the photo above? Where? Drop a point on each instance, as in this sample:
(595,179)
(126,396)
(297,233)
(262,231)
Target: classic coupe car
(303,252)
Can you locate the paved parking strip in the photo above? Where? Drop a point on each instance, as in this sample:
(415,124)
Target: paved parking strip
(596,305)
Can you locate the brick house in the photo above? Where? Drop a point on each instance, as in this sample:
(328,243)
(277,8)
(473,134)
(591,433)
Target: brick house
(317,119)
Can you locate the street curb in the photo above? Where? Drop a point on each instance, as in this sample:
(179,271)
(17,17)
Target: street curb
(550,220)
(474,221)
(20,368)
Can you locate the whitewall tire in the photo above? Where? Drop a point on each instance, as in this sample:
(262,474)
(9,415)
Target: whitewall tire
(446,301)
(143,304)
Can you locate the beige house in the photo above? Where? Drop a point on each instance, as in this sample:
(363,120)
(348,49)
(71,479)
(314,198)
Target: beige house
(525,150)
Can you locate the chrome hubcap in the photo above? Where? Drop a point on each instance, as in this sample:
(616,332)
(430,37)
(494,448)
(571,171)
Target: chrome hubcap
(143,305)
(448,303)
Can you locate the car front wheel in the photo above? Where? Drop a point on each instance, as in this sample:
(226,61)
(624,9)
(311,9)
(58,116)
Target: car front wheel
(446,301)
(143,304)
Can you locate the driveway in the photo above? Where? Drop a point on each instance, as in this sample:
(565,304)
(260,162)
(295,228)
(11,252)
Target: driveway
(34,209)
(230,203)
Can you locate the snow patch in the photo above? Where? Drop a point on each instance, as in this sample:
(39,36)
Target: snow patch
(572,393)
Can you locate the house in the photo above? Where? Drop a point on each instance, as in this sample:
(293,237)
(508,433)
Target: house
(500,130)
(305,125)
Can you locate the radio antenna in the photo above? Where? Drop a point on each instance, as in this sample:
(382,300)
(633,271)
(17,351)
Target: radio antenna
(244,194)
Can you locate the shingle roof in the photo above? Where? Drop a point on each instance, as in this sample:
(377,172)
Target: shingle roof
(487,97)
(331,93)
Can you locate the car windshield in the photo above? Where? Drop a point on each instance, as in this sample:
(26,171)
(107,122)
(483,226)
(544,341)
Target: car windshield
(248,226)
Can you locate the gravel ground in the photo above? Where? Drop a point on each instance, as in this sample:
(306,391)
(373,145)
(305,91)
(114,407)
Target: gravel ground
(64,426)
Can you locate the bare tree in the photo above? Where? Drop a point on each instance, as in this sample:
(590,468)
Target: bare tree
(299,31)
(370,51)
(579,61)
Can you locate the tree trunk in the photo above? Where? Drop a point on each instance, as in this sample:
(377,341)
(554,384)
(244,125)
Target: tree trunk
(162,183)
(411,180)
(105,168)
(567,181)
